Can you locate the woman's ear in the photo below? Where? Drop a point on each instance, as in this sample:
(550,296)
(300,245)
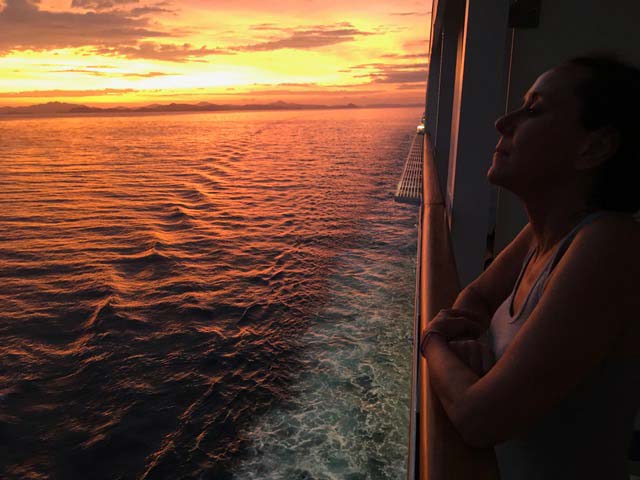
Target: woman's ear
(600,145)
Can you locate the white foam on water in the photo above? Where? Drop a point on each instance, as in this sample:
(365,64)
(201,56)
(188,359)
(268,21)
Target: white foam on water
(349,416)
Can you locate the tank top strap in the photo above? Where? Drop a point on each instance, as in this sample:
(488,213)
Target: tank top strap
(535,292)
(564,244)
(506,323)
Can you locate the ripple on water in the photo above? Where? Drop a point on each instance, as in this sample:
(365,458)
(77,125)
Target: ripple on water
(184,297)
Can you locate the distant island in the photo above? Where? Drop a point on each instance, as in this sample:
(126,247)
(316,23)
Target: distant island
(61,108)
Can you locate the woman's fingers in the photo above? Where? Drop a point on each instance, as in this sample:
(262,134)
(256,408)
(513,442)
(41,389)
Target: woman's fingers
(461,312)
(456,326)
(473,353)
(480,318)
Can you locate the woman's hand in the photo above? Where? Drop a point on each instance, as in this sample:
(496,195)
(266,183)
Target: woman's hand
(454,324)
(458,323)
(474,354)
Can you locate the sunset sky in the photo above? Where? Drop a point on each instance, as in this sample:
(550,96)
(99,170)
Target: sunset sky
(126,52)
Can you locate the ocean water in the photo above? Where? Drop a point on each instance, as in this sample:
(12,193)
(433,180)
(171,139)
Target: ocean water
(219,296)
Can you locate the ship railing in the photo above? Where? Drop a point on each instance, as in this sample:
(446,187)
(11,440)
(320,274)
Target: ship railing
(436,449)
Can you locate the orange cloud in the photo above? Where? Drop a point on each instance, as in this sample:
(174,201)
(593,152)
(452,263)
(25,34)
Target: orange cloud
(24,26)
(393,72)
(129,51)
(157,51)
(405,56)
(100,73)
(100,4)
(306,38)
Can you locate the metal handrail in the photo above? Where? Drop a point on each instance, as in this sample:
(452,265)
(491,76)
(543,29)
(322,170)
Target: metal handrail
(441,452)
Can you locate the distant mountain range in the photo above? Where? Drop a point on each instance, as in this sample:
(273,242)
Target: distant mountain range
(59,107)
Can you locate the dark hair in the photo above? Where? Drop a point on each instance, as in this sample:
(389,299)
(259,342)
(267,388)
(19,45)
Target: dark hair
(611,98)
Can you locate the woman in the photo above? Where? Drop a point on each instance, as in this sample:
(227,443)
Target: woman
(561,303)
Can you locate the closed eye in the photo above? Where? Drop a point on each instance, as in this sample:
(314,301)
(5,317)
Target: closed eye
(531,110)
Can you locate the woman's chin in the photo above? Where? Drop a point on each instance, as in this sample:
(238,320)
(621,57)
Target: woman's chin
(498,171)
(499,178)
(493,176)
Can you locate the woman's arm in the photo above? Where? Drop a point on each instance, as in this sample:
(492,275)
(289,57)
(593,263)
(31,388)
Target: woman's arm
(470,299)
(484,295)
(476,304)
(591,293)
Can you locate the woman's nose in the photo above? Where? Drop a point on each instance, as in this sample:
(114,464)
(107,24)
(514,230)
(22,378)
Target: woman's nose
(505,124)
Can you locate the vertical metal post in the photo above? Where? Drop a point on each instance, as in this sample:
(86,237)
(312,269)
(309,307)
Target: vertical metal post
(478,101)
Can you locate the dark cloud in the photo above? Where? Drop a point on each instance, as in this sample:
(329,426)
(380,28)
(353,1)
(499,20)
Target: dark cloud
(98,73)
(307,38)
(65,93)
(140,11)
(425,14)
(109,30)
(393,72)
(265,26)
(145,75)
(420,45)
(100,4)
(160,51)
(23,26)
(411,86)
(384,66)
(400,76)
(368,65)
(406,56)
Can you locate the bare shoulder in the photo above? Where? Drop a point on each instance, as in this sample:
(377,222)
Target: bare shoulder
(616,222)
(614,236)
(604,253)
(607,251)
(607,247)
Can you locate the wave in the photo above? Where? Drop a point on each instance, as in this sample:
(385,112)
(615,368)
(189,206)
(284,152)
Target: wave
(210,307)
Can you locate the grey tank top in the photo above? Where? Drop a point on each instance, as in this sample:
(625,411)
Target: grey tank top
(586,436)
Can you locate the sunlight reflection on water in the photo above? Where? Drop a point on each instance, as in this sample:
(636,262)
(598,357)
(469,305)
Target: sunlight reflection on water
(205,295)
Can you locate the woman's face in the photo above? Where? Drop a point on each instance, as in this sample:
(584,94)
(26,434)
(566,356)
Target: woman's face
(541,141)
